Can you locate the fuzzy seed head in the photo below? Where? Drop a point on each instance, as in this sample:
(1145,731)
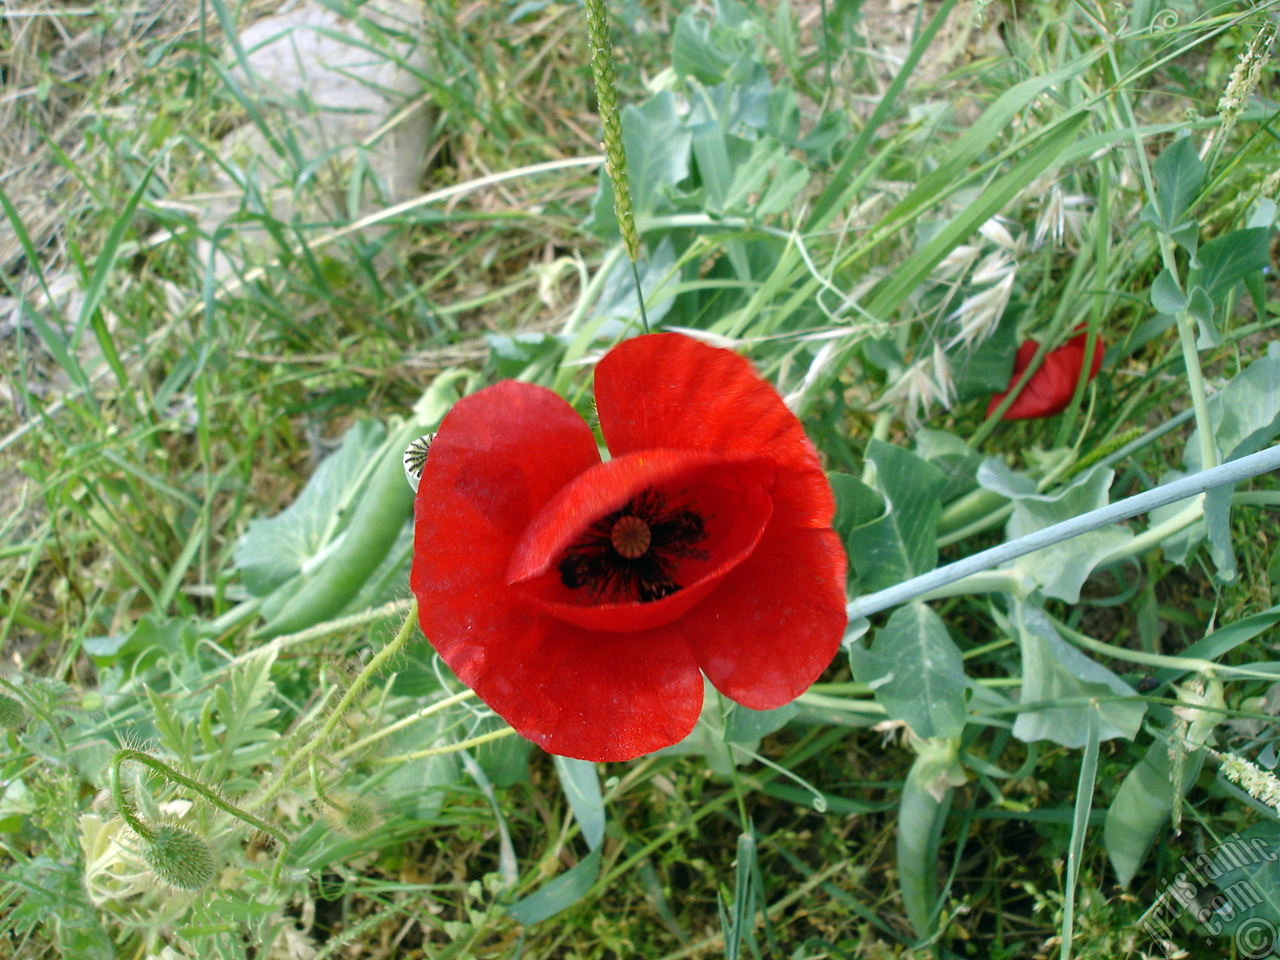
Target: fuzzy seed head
(350,815)
(1260,784)
(179,857)
(1247,73)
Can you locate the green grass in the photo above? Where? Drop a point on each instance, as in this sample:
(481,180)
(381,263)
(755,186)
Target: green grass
(821,214)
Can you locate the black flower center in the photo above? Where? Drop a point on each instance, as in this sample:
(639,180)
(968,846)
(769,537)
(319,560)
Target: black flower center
(631,554)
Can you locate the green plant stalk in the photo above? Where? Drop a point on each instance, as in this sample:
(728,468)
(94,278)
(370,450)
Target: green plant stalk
(1160,661)
(1185,322)
(984,581)
(450,748)
(371,669)
(1195,377)
(994,518)
(169,773)
(1153,536)
(403,722)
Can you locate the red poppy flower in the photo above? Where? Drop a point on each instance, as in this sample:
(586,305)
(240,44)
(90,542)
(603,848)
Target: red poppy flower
(1051,387)
(583,601)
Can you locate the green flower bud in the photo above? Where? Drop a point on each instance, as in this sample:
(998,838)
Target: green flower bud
(350,815)
(179,857)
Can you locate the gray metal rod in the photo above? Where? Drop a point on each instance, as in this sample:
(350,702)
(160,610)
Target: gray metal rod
(1231,472)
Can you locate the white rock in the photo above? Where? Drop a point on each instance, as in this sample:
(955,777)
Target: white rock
(338,98)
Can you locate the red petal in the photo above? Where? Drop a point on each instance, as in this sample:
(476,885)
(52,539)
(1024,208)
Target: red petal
(776,621)
(574,692)
(1051,387)
(731,496)
(669,390)
(500,455)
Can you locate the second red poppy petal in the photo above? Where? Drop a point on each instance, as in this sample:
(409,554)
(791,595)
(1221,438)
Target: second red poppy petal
(669,390)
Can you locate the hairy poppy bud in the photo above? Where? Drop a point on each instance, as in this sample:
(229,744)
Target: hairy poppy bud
(350,815)
(178,857)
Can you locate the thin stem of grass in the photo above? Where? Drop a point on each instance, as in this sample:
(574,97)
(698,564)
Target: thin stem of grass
(1185,322)
(449,748)
(195,786)
(371,669)
(427,711)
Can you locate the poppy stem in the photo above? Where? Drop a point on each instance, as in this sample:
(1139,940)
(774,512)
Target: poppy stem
(449,748)
(1225,475)
(403,722)
(371,669)
(644,316)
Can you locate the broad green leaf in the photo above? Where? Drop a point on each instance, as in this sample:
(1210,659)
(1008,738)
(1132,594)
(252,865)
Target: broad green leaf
(1142,806)
(916,671)
(950,454)
(726,734)
(1200,306)
(1228,259)
(416,788)
(742,725)
(857,505)
(1053,671)
(511,354)
(1166,297)
(1179,172)
(726,166)
(1263,213)
(1058,570)
(1244,870)
(790,176)
(903,542)
(273,550)
(558,894)
(372,512)
(505,761)
(695,54)
(714,51)
(581,784)
(175,638)
(1245,417)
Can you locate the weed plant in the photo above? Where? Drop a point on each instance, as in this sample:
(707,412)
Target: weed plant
(223,734)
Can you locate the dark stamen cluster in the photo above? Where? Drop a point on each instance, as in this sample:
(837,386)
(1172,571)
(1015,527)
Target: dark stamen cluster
(612,563)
